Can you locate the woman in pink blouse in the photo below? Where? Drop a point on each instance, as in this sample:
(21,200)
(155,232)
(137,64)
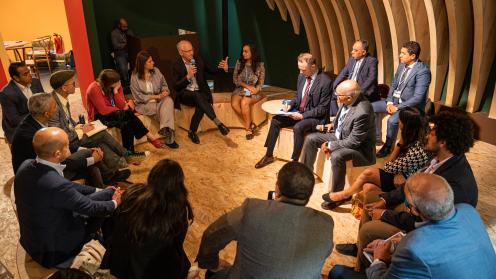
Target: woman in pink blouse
(105,101)
(249,75)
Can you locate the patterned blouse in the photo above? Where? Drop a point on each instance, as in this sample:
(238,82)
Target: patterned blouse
(415,159)
(247,76)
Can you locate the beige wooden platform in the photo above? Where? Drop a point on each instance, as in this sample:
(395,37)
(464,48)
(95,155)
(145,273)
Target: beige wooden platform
(224,111)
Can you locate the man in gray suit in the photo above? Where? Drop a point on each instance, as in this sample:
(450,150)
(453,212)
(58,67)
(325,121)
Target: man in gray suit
(353,138)
(409,89)
(278,238)
(63,83)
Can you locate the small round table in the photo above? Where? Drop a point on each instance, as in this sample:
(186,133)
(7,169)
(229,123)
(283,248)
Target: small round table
(273,106)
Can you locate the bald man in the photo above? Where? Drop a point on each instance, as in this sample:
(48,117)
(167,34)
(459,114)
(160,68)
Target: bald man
(119,37)
(352,138)
(450,242)
(50,208)
(190,84)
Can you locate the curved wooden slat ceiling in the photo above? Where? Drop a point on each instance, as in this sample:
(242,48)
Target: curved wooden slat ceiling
(453,35)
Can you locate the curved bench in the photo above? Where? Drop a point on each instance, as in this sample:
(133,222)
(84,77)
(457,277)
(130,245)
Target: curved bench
(224,111)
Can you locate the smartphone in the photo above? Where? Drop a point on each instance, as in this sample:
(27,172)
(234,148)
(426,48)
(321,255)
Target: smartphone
(247,93)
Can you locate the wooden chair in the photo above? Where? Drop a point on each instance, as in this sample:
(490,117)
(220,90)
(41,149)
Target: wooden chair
(42,51)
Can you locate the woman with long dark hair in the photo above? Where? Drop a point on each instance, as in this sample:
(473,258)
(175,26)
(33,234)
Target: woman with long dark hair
(248,76)
(105,101)
(152,96)
(407,158)
(150,225)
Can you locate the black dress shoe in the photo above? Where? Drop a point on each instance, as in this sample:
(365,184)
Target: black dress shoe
(331,204)
(349,249)
(120,175)
(264,162)
(173,145)
(223,129)
(194,138)
(383,152)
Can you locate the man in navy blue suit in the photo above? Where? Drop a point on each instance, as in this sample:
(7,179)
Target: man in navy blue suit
(450,241)
(14,97)
(56,216)
(409,89)
(311,105)
(362,68)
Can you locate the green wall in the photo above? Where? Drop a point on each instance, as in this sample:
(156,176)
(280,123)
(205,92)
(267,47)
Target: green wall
(249,21)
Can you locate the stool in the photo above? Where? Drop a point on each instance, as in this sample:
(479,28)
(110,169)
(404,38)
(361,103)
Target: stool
(150,123)
(384,118)
(224,111)
(284,145)
(28,268)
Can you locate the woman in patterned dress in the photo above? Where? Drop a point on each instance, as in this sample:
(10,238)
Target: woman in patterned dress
(249,75)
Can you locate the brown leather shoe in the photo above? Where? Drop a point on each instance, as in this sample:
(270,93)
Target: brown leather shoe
(264,162)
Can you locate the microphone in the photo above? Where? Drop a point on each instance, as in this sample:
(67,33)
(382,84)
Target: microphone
(193,63)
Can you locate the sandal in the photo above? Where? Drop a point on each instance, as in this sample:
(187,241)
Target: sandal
(157,143)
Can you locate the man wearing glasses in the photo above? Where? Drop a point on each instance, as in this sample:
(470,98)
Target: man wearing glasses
(14,97)
(352,138)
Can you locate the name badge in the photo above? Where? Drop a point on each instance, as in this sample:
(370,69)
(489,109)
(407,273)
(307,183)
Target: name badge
(397,94)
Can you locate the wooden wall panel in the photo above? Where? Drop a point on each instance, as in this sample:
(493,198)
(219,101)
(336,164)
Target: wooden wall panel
(382,40)
(322,34)
(306,17)
(345,27)
(460,21)
(334,35)
(398,27)
(439,45)
(492,110)
(294,14)
(484,50)
(281,7)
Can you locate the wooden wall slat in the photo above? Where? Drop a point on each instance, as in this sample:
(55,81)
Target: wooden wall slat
(322,35)
(345,27)
(334,35)
(484,50)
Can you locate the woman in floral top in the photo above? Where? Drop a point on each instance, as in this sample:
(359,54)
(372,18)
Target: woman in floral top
(407,158)
(249,75)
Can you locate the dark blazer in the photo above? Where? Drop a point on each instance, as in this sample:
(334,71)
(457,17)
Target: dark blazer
(358,132)
(15,105)
(414,88)
(457,247)
(180,82)
(366,78)
(22,146)
(46,203)
(317,103)
(59,119)
(458,174)
(274,240)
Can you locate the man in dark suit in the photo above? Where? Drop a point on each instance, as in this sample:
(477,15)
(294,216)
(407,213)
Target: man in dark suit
(409,89)
(385,210)
(80,164)
(311,105)
(451,240)
(190,84)
(56,216)
(280,238)
(14,97)
(362,68)
(63,83)
(353,138)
